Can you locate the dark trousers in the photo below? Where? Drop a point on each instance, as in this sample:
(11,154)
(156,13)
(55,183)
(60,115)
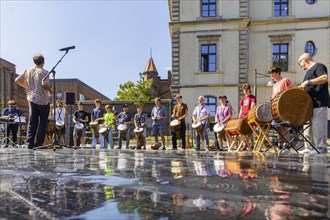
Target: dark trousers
(183,135)
(12,128)
(37,126)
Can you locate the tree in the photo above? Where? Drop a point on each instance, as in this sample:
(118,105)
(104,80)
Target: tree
(137,93)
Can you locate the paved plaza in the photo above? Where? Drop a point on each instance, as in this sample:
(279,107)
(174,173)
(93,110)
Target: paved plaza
(154,184)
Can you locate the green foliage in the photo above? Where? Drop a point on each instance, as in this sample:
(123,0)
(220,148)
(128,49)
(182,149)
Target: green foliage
(136,93)
(282,63)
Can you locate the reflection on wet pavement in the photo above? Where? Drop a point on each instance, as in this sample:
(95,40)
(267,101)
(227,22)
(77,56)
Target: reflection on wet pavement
(93,184)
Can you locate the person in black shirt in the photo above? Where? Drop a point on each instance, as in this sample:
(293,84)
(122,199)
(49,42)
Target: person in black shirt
(316,85)
(80,117)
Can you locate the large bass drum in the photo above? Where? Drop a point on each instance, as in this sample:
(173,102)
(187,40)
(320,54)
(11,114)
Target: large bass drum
(261,113)
(294,106)
(238,126)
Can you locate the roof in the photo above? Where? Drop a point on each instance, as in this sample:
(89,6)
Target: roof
(150,67)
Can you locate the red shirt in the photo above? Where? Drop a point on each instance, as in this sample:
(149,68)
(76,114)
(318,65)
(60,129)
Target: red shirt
(245,103)
(280,86)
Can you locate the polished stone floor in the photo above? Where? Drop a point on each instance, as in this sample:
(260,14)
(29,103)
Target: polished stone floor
(145,184)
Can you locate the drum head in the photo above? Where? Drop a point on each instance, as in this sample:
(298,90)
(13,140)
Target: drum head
(59,123)
(79,126)
(122,127)
(175,123)
(138,130)
(93,123)
(264,112)
(294,106)
(218,127)
(102,130)
(196,125)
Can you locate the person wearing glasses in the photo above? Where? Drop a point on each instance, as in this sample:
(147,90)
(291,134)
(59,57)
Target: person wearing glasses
(9,114)
(36,83)
(316,85)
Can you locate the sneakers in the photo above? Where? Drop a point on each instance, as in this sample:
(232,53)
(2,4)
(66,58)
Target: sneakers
(305,151)
(313,152)
(161,148)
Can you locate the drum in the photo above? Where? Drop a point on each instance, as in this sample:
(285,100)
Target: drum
(197,126)
(238,126)
(79,127)
(122,128)
(155,146)
(139,137)
(176,126)
(292,105)
(104,132)
(219,128)
(261,113)
(59,126)
(95,127)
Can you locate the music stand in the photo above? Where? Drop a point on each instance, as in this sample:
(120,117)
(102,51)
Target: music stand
(54,141)
(20,120)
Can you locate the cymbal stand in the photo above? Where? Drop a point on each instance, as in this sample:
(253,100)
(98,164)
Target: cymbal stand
(4,140)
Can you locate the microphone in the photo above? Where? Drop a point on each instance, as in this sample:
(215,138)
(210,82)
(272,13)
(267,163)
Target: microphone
(67,48)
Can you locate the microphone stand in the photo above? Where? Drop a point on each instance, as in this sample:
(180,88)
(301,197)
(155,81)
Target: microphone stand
(55,140)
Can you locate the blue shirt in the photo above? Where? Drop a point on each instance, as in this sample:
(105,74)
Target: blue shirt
(98,113)
(14,111)
(140,118)
(157,112)
(124,117)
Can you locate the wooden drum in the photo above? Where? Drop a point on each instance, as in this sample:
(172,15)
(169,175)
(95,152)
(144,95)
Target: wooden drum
(238,126)
(139,137)
(261,113)
(293,106)
(176,126)
(122,128)
(95,126)
(219,128)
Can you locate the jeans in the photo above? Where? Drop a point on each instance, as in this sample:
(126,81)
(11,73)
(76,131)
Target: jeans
(317,132)
(12,128)
(182,133)
(110,139)
(38,119)
(120,140)
(94,140)
(206,138)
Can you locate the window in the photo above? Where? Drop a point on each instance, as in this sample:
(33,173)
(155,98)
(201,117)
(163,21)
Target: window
(310,48)
(281,56)
(310,2)
(208,8)
(281,8)
(208,58)
(211,103)
(82,97)
(59,95)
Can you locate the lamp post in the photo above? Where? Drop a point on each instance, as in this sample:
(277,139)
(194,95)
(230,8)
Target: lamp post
(261,75)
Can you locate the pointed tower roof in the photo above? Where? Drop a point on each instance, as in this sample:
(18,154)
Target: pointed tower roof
(150,67)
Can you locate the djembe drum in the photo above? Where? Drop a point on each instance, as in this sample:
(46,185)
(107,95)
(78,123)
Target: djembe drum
(122,128)
(95,127)
(176,126)
(139,137)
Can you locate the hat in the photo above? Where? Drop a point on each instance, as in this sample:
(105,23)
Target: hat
(125,106)
(222,97)
(178,96)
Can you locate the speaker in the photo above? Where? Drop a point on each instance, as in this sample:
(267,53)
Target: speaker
(69,98)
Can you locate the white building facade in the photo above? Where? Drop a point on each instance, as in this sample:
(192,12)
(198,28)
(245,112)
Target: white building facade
(218,44)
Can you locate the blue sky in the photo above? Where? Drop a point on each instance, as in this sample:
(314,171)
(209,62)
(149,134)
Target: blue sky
(112,38)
